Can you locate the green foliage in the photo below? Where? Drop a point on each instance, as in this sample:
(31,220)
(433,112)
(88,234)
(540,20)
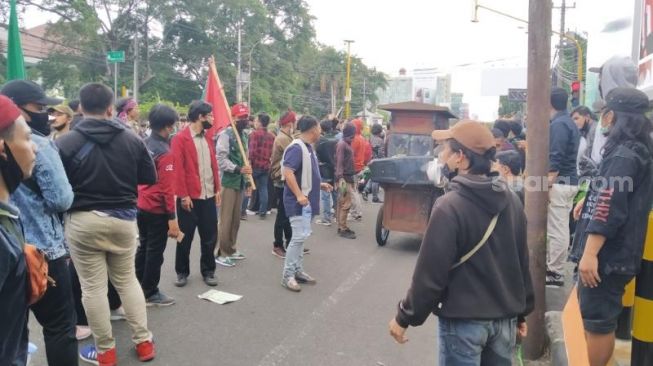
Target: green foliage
(146,104)
(176,38)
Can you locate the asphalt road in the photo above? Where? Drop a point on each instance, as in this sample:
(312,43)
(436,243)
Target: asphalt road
(343,320)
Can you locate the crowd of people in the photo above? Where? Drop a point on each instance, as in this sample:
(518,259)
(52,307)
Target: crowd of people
(100,193)
(481,288)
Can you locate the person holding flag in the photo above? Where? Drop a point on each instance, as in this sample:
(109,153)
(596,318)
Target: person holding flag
(234,167)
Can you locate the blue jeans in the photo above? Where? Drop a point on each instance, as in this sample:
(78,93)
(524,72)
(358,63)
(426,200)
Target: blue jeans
(329,200)
(465,342)
(301,230)
(261,180)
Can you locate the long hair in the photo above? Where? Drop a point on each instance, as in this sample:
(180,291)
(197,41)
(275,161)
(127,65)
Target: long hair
(629,127)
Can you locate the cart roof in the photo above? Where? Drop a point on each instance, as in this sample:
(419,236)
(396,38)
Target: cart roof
(417,107)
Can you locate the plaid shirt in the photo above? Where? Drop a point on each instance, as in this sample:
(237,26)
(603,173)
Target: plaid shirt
(260,149)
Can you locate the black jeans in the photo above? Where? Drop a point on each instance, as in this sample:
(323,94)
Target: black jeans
(56,314)
(153,236)
(204,217)
(281,223)
(112,294)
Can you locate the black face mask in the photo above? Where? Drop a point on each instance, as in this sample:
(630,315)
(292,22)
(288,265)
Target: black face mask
(241,125)
(39,122)
(11,171)
(206,125)
(448,173)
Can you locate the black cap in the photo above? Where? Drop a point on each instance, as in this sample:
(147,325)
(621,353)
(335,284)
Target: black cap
(628,100)
(559,98)
(26,91)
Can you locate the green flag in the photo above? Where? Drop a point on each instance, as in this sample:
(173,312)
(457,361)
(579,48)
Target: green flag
(15,61)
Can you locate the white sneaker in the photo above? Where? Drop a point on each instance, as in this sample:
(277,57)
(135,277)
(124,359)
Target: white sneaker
(118,314)
(321,221)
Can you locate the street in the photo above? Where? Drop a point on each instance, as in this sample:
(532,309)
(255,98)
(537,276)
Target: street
(343,320)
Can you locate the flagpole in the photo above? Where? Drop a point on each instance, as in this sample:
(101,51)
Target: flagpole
(214,72)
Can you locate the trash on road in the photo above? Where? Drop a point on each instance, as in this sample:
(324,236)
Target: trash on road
(219,297)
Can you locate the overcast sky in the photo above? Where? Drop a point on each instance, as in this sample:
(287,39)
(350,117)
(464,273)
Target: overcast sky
(438,33)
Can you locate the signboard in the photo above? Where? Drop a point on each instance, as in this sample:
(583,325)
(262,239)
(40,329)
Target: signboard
(517,95)
(116,56)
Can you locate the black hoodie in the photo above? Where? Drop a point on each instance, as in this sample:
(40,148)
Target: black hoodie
(107,178)
(495,282)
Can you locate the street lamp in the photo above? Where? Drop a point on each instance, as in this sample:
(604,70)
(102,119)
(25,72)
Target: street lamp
(249,87)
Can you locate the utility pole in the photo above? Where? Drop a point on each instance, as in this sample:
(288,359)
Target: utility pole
(537,165)
(333,96)
(561,45)
(136,78)
(239,85)
(348,80)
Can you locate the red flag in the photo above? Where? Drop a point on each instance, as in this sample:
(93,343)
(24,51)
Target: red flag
(214,95)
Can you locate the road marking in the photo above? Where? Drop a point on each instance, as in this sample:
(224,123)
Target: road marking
(277,355)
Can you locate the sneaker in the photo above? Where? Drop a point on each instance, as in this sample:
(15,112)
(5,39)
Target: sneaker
(307,251)
(210,280)
(118,314)
(145,351)
(279,252)
(303,277)
(182,280)
(263,216)
(89,354)
(291,284)
(159,299)
(225,261)
(321,221)
(243,217)
(347,234)
(82,332)
(250,212)
(364,195)
(376,200)
(237,256)
(554,279)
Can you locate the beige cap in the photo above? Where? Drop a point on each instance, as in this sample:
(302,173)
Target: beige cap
(471,134)
(62,108)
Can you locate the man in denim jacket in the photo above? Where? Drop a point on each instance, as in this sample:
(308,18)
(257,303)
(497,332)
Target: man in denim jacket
(41,199)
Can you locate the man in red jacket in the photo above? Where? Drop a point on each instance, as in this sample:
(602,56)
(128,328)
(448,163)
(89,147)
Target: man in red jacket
(362,156)
(198,192)
(156,207)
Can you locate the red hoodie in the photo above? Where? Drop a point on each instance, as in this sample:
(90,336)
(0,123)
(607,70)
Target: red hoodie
(187,167)
(159,198)
(362,148)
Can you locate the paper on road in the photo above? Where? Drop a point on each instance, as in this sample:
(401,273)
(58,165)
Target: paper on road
(219,297)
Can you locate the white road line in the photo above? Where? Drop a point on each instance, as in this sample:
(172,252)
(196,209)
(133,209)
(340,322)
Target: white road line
(278,354)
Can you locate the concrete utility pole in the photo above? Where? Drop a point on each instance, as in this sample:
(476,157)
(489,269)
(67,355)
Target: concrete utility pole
(537,164)
(348,80)
(136,78)
(563,11)
(239,84)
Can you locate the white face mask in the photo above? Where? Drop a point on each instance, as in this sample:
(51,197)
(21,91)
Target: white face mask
(434,173)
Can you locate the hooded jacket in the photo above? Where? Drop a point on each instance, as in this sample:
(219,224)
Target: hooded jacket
(495,282)
(617,207)
(108,177)
(159,198)
(362,150)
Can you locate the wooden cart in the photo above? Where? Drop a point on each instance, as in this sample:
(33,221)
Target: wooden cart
(409,195)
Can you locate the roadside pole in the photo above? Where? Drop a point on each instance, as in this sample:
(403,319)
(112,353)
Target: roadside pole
(537,164)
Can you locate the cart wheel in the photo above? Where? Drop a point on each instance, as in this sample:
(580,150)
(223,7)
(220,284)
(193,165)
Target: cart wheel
(381,232)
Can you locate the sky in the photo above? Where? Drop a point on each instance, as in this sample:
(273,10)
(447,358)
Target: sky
(439,34)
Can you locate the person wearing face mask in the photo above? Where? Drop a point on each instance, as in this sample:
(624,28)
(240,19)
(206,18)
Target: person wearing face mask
(584,120)
(613,218)
(42,200)
(235,170)
(157,220)
(197,187)
(345,179)
(105,163)
(472,270)
(281,223)
(62,117)
(17,161)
